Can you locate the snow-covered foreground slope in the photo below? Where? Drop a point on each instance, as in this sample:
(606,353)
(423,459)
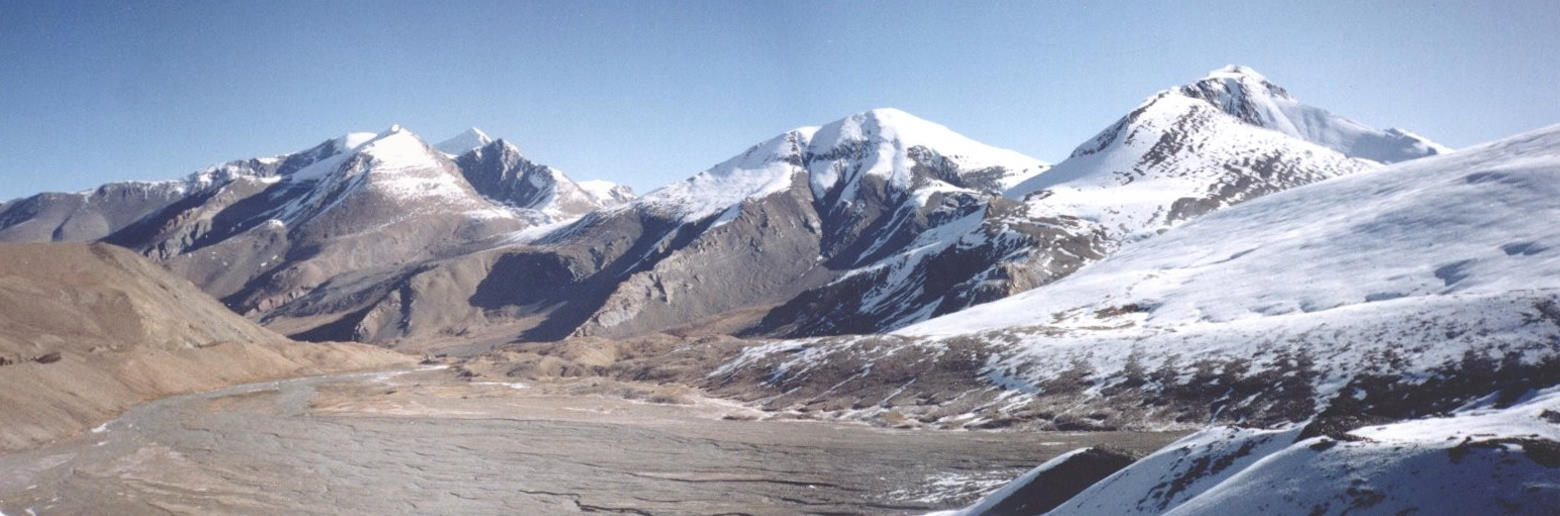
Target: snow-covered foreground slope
(1480,460)
(1393,293)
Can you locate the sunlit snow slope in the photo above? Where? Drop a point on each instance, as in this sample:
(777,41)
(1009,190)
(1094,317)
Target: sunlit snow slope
(1471,224)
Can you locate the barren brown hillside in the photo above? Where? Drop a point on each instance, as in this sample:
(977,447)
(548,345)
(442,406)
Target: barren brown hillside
(88,330)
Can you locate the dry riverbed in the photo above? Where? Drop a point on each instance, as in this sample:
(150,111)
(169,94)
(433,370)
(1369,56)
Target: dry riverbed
(428,442)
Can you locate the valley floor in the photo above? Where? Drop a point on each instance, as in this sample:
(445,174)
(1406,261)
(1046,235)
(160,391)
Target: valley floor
(429,442)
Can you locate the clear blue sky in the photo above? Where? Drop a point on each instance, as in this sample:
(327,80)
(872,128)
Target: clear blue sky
(646,93)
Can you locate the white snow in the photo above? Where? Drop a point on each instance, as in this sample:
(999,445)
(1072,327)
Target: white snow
(464,142)
(1420,467)
(351,141)
(345,147)
(403,167)
(763,170)
(1400,271)
(605,192)
(888,135)
(1524,419)
(536,232)
(891,297)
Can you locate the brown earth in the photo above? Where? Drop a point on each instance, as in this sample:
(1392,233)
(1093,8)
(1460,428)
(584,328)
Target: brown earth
(90,330)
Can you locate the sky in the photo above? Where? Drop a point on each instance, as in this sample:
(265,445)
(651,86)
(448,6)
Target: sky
(646,93)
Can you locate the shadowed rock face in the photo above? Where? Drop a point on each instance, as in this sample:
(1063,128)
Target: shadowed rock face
(499,172)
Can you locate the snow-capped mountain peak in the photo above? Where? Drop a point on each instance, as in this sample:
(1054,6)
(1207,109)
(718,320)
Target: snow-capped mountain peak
(1235,70)
(464,142)
(395,164)
(1177,156)
(888,136)
(1250,97)
(395,144)
(900,150)
(1245,94)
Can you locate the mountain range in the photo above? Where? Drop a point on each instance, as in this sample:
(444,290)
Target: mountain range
(866,224)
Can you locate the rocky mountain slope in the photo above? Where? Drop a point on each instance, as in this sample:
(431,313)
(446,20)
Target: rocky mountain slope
(260,233)
(709,254)
(802,210)
(1392,294)
(88,330)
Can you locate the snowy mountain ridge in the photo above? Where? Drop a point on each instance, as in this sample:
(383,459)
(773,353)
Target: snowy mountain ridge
(837,157)
(1396,293)
(1173,158)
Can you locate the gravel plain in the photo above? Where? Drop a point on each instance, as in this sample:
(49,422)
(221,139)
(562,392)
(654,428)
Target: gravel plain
(429,442)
